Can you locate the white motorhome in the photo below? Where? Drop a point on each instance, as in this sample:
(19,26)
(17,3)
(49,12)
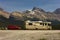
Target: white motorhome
(38,25)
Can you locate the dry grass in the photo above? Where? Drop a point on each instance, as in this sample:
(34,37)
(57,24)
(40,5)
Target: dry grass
(29,34)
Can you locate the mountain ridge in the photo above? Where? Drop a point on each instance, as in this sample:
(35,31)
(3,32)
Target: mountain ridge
(36,12)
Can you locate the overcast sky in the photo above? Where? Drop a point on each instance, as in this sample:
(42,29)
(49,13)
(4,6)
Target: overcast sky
(21,5)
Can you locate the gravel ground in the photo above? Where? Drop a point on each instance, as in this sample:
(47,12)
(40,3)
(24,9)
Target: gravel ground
(29,34)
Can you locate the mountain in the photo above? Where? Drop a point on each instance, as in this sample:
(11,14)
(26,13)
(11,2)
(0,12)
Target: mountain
(4,17)
(37,9)
(41,14)
(36,13)
(16,16)
(4,14)
(1,9)
(57,11)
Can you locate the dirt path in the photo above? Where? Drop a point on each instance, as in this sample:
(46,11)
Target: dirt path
(29,34)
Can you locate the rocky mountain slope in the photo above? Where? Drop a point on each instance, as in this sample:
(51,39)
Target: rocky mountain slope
(18,18)
(42,15)
(34,14)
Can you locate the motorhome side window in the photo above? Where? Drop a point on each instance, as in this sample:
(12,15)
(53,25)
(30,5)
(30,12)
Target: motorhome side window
(45,23)
(49,24)
(30,24)
(41,23)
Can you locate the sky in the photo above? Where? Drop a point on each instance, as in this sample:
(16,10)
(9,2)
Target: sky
(21,5)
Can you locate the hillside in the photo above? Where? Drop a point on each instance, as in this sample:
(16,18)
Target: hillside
(18,18)
(37,13)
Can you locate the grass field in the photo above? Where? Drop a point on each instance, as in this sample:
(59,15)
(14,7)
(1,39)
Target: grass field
(29,34)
